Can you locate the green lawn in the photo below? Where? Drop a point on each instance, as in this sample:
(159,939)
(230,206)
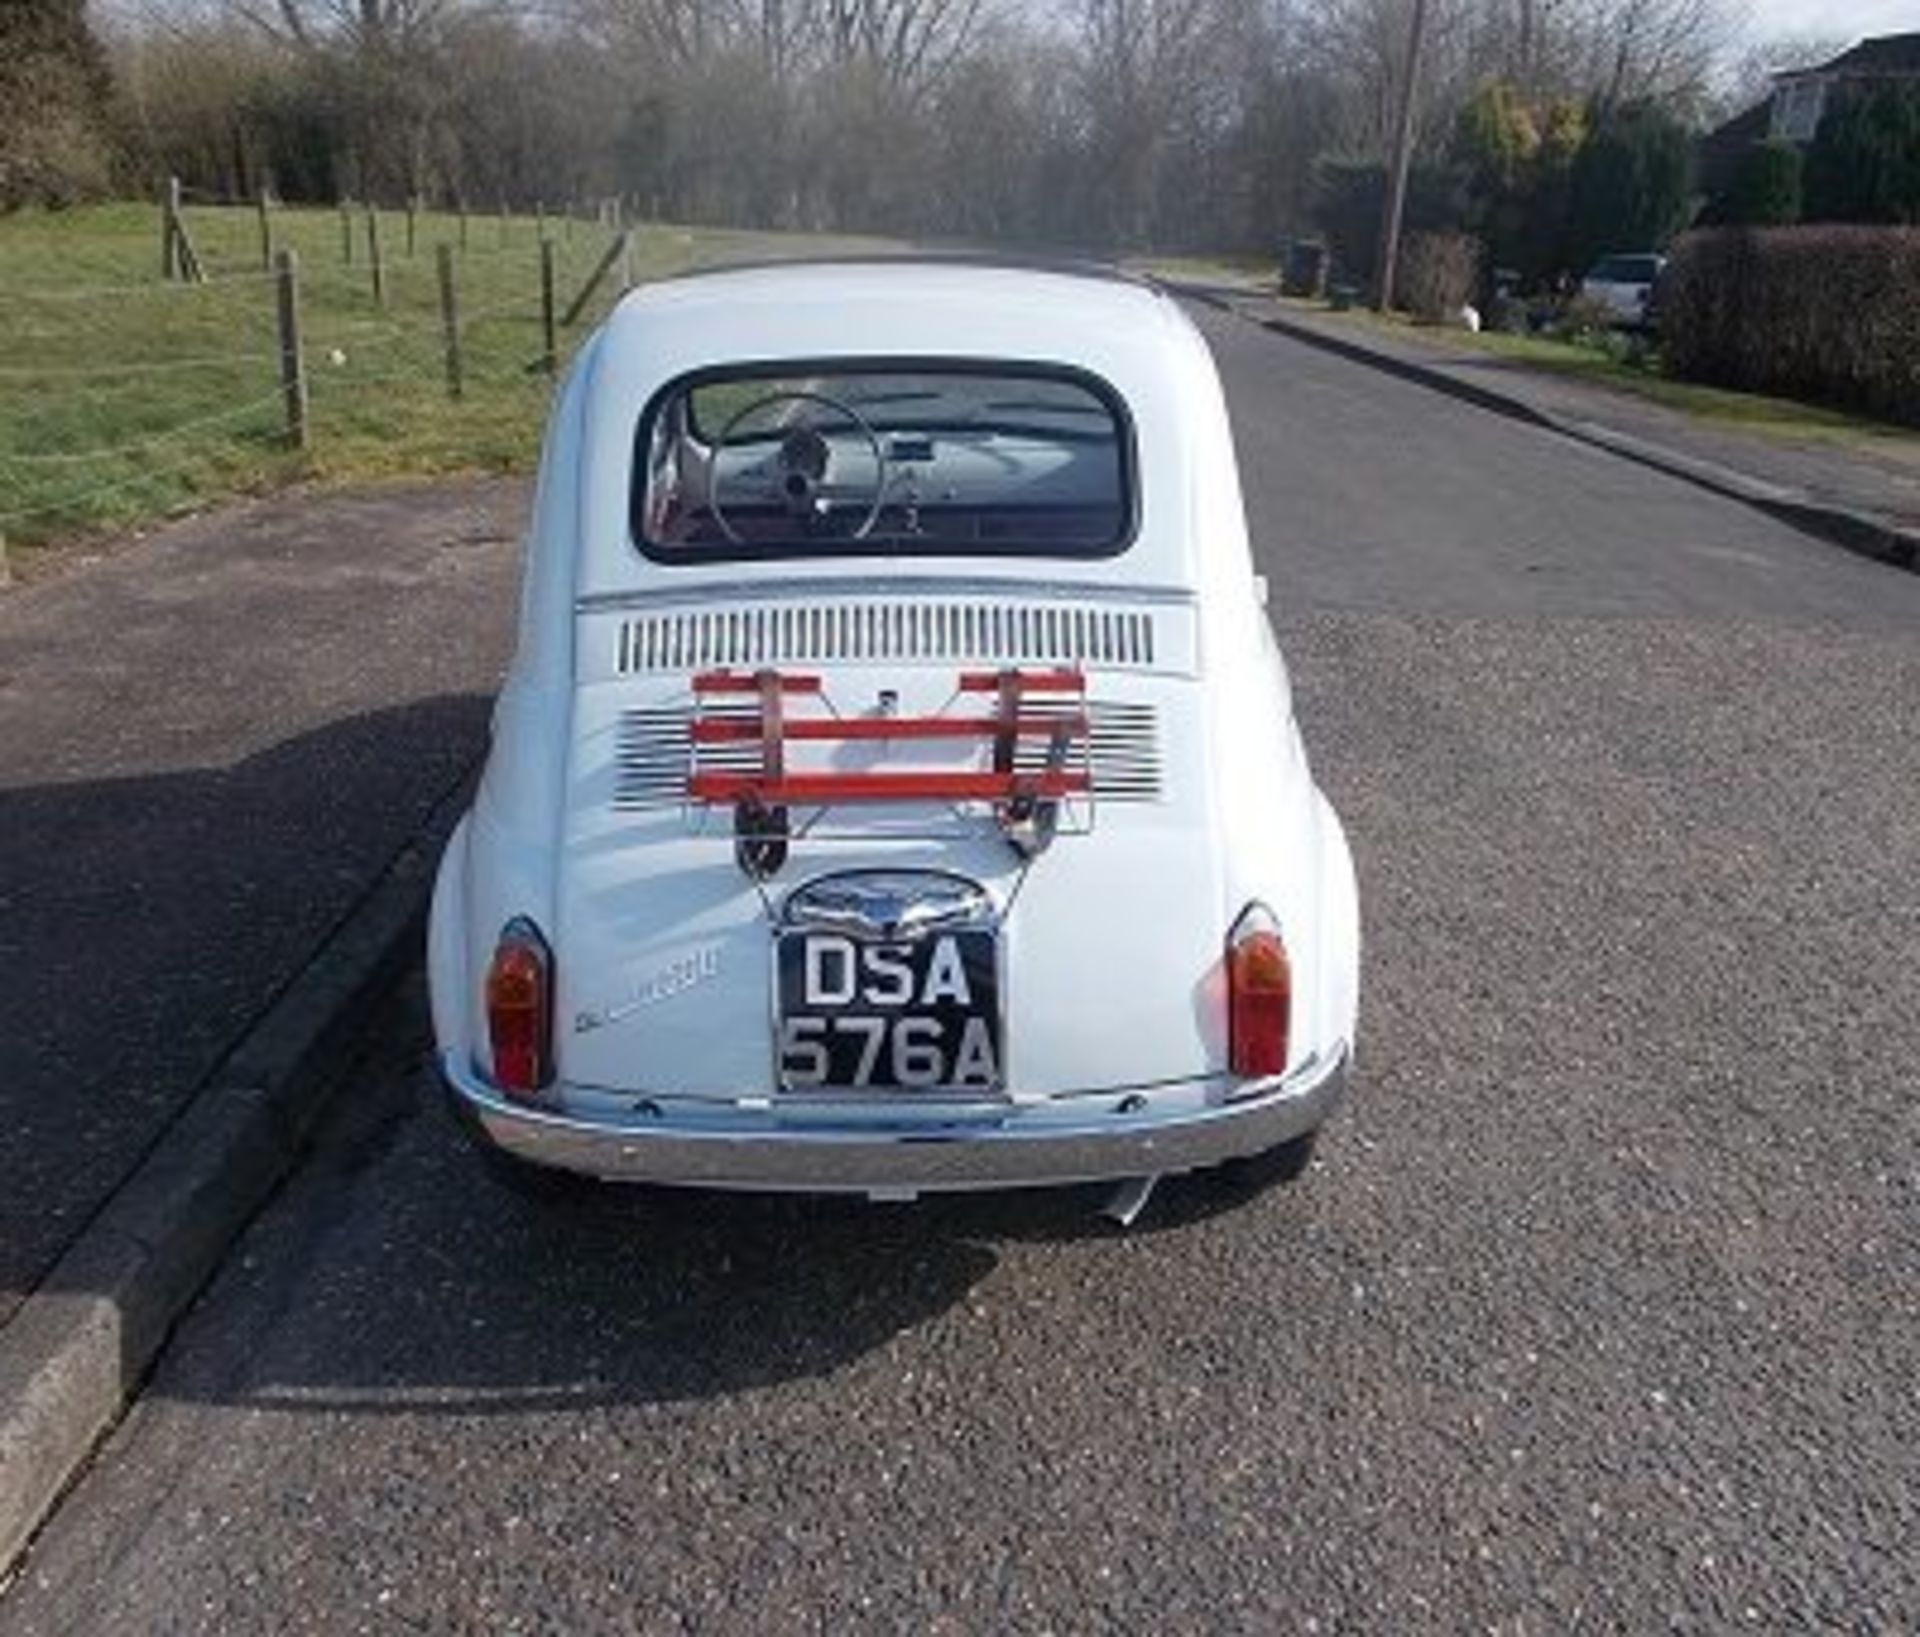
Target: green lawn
(124,397)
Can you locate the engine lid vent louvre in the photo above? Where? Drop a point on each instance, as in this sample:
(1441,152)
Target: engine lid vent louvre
(871,632)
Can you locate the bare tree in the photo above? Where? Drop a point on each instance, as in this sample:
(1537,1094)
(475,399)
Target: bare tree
(1109,122)
(909,45)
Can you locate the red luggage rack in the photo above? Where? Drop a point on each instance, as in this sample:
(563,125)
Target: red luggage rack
(1025,800)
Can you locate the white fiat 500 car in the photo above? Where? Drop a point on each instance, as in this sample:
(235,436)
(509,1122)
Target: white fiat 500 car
(896,785)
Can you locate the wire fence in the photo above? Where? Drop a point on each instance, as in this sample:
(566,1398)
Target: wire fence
(123,396)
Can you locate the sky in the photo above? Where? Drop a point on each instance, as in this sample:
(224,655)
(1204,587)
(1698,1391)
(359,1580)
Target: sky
(1830,19)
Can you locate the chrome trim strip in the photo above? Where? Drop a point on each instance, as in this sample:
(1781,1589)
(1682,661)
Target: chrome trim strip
(707,591)
(756,1150)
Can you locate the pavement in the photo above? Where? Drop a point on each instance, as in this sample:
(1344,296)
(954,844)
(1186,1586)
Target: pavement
(232,753)
(1598,1309)
(210,745)
(1861,492)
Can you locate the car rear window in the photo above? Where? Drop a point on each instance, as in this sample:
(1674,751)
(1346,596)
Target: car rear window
(925,458)
(1626,270)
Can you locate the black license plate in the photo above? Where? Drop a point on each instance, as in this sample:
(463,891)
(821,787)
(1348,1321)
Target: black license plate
(861,1014)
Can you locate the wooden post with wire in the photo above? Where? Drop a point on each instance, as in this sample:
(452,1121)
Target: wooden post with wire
(293,375)
(346,233)
(178,258)
(615,251)
(263,206)
(167,201)
(549,333)
(450,319)
(376,263)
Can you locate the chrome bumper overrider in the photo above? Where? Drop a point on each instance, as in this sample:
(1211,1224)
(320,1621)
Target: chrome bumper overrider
(1097,1138)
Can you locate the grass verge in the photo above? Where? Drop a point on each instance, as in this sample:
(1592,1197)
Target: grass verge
(1784,418)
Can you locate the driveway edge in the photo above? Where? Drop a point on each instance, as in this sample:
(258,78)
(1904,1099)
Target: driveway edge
(79,1345)
(1860,532)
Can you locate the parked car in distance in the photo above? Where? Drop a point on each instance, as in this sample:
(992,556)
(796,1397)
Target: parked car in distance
(896,785)
(1625,285)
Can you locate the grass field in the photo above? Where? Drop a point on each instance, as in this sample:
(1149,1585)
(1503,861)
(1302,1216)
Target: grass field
(124,397)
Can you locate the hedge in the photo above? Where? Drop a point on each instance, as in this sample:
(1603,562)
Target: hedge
(1824,314)
(1437,275)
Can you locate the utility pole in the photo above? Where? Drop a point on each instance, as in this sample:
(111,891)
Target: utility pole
(1396,202)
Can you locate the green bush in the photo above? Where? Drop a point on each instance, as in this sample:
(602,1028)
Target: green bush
(1766,187)
(1436,275)
(1518,152)
(1348,195)
(1825,314)
(1864,165)
(1632,183)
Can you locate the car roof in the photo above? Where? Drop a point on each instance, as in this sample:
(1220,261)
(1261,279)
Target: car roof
(986,260)
(907,305)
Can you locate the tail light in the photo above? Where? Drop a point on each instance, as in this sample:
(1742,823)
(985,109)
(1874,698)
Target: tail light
(1259,994)
(520,1009)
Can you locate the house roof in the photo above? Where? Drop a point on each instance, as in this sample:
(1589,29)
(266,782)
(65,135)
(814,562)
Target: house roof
(1884,54)
(1733,135)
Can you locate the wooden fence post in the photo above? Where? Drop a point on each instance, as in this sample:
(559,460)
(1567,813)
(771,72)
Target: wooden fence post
(375,262)
(293,375)
(450,318)
(615,251)
(413,221)
(550,358)
(266,227)
(177,253)
(169,209)
(346,233)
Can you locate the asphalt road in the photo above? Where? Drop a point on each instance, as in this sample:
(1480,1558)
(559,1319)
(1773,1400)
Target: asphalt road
(1600,1309)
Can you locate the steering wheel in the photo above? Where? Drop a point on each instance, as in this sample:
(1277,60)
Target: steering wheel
(802,460)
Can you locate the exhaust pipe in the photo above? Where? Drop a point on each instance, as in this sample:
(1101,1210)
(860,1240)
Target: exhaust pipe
(1126,1202)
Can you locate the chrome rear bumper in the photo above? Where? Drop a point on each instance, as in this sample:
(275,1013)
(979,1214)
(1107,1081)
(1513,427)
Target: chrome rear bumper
(1020,1145)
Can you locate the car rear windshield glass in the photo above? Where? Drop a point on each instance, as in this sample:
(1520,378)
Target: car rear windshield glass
(922,458)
